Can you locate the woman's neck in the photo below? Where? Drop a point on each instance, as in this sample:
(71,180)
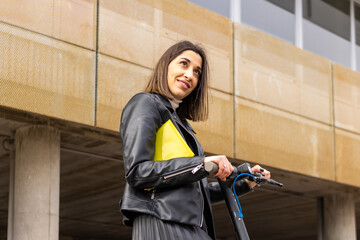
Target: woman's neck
(175,103)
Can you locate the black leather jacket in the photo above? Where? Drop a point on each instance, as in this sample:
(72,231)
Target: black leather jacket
(179,189)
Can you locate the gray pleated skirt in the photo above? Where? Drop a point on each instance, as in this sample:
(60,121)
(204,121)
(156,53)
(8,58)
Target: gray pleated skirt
(151,228)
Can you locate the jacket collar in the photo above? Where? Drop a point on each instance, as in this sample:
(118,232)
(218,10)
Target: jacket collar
(167,104)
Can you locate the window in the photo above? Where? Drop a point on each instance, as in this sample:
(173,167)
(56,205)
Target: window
(275,17)
(221,7)
(284,4)
(325,24)
(357,35)
(326,27)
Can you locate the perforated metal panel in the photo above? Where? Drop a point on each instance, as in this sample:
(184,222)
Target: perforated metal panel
(46,76)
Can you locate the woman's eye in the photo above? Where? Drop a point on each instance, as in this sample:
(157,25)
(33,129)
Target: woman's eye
(197,72)
(184,63)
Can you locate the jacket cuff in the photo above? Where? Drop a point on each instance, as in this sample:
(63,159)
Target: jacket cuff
(242,187)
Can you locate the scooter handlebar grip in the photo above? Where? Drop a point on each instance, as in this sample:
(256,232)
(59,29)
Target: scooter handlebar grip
(211,167)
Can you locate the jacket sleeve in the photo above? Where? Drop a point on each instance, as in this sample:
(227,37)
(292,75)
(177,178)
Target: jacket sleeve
(216,195)
(139,122)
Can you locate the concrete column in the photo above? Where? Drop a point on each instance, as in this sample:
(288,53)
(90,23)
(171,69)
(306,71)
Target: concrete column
(339,217)
(36,184)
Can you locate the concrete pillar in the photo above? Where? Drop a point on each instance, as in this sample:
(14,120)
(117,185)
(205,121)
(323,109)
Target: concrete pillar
(339,217)
(36,184)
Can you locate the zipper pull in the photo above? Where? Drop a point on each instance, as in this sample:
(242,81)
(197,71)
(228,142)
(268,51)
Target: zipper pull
(197,168)
(153,194)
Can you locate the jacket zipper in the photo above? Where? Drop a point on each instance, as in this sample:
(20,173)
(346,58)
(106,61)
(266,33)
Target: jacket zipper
(197,168)
(202,205)
(153,194)
(192,169)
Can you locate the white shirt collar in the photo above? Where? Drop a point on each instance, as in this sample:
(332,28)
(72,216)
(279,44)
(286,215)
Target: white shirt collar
(175,103)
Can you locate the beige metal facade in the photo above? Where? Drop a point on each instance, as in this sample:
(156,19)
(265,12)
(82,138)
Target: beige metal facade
(73,65)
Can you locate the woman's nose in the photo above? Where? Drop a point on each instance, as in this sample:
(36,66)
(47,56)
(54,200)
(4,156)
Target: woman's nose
(188,74)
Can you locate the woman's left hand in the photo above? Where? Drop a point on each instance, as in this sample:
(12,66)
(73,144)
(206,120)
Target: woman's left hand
(261,170)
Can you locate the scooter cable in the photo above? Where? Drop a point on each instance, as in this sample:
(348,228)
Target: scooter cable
(236,197)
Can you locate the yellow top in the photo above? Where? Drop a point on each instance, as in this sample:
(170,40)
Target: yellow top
(170,144)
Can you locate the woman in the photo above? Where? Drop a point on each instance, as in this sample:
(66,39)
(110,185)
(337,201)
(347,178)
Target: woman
(171,199)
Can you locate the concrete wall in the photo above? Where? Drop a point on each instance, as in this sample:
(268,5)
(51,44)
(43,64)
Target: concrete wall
(271,103)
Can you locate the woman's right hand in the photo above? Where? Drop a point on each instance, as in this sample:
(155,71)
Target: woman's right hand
(225,167)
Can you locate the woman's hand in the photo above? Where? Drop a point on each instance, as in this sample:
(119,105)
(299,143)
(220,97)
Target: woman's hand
(261,170)
(225,167)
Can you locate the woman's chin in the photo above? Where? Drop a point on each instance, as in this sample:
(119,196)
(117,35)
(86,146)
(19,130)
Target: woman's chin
(179,96)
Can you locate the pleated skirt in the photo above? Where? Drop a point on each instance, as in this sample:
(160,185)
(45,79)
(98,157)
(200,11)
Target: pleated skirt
(151,228)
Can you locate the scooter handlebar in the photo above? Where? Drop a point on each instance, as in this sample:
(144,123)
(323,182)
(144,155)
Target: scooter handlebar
(212,168)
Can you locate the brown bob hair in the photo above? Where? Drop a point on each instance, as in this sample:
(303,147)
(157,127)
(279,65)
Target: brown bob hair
(195,106)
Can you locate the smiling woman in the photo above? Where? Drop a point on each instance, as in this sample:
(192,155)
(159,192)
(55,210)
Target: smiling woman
(176,63)
(166,194)
(183,74)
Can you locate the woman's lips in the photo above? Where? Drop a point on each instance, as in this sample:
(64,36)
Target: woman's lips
(184,84)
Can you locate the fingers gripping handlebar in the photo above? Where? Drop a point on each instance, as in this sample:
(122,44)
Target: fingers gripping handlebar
(258,178)
(212,168)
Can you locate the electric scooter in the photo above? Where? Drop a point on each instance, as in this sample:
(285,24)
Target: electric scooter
(228,189)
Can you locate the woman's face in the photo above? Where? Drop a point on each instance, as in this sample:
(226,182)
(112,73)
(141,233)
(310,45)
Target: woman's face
(184,73)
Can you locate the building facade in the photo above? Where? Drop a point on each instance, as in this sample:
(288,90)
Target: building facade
(284,93)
